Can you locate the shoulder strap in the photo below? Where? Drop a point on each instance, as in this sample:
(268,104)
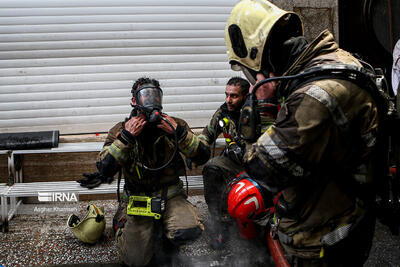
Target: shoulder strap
(369,79)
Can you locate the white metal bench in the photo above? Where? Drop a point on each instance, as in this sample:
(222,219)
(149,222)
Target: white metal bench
(34,189)
(17,188)
(15,171)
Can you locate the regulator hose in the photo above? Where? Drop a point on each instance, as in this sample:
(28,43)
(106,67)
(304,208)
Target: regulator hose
(173,154)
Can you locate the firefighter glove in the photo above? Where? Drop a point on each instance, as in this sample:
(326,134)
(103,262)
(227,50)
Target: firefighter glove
(92,180)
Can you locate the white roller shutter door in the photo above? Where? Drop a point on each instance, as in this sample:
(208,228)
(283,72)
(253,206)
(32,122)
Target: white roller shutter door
(69,65)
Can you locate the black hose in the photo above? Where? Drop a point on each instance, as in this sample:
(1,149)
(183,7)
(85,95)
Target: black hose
(173,154)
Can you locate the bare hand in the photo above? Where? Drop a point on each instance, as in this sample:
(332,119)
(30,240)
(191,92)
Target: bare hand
(266,90)
(135,125)
(165,126)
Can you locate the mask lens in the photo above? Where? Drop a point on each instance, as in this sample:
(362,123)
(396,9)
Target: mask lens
(250,75)
(150,97)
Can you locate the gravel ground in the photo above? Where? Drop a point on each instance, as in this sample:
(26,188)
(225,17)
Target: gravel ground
(44,240)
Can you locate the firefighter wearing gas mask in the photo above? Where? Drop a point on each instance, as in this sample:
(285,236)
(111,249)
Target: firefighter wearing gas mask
(324,133)
(154,214)
(220,169)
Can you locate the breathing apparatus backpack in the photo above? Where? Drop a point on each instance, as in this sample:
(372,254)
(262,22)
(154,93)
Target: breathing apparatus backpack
(388,144)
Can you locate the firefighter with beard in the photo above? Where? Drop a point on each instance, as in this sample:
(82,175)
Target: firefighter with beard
(323,135)
(220,169)
(142,146)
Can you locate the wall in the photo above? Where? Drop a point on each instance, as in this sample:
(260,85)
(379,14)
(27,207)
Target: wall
(316,15)
(69,65)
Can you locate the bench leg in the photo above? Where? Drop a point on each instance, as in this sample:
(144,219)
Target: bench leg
(13,208)
(11,168)
(18,168)
(4,213)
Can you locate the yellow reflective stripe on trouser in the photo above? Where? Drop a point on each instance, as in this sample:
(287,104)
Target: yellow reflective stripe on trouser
(117,153)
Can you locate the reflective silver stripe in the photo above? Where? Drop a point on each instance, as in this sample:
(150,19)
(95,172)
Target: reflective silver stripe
(335,236)
(284,238)
(331,104)
(278,154)
(369,139)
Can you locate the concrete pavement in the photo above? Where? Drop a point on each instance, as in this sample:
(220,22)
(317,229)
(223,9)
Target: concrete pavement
(44,240)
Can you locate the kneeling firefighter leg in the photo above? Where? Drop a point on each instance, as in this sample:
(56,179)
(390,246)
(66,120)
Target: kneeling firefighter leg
(213,189)
(181,221)
(214,185)
(131,231)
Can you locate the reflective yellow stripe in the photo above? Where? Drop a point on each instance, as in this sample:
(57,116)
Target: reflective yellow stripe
(205,138)
(105,148)
(138,172)
(117,153)
(192,146)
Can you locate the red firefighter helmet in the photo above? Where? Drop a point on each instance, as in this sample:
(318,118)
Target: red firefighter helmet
(245,200)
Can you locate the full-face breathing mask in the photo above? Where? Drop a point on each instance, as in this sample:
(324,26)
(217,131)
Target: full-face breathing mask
(149,101)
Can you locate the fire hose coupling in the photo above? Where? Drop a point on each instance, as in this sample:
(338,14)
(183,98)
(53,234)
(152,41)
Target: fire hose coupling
(146,206)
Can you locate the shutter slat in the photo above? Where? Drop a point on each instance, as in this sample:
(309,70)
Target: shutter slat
(111,68)
(70,65)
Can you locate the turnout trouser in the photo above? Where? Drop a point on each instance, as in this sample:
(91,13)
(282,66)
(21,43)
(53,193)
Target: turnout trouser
(217,174)
(136,235)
